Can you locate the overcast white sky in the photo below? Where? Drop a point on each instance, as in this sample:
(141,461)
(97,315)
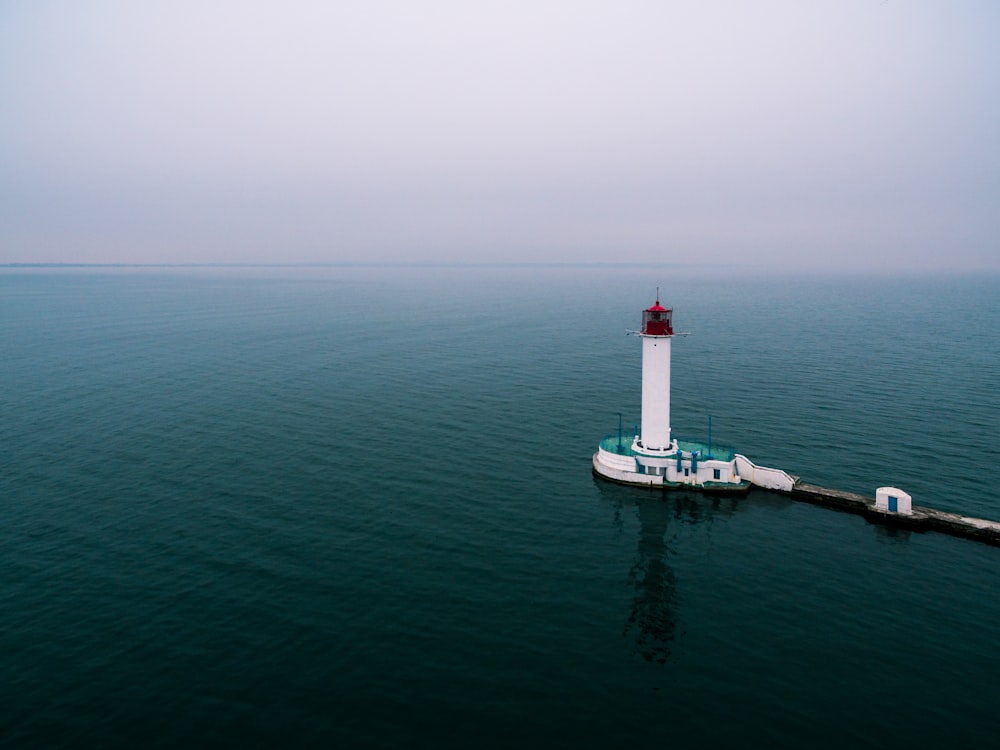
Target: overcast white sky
(860,133)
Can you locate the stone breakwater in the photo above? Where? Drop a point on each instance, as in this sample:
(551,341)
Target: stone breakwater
(920,519)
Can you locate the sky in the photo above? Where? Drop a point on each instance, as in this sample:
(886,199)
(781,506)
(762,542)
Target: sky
(830,134)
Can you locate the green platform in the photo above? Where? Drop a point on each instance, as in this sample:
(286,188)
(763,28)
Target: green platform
(717,452)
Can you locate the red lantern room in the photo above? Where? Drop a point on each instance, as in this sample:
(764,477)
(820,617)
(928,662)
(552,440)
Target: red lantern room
(656,321)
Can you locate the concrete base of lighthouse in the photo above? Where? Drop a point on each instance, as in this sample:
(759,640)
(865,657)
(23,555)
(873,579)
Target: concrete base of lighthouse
(684,465)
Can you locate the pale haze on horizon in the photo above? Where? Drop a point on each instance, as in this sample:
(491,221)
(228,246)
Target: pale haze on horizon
(850,134)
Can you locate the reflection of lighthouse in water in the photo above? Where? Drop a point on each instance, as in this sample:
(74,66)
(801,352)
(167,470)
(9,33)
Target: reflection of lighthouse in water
(652,617)
(652,620)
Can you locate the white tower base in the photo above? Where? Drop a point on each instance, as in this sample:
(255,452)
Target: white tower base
(656,392)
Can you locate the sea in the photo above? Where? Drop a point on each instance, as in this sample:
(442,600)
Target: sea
(353,506)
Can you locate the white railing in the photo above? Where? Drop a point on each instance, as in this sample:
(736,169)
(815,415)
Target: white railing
(762,476)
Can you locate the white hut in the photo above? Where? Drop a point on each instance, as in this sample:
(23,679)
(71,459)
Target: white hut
(893,500)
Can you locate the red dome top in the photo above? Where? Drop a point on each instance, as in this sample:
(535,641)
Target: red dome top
(657,307)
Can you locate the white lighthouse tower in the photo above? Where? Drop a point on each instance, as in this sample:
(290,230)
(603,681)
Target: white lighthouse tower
(655,457)
(657,330)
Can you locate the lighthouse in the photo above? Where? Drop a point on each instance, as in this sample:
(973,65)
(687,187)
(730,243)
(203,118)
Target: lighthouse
(655,457)
(656,332)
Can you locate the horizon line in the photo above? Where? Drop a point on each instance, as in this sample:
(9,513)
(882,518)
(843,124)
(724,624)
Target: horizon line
(366,264)
(510,264)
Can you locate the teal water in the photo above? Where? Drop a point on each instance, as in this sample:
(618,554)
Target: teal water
(354,507)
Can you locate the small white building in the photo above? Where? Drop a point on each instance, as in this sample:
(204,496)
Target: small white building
(893,500)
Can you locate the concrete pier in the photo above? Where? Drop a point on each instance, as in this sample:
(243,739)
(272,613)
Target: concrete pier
(921,519)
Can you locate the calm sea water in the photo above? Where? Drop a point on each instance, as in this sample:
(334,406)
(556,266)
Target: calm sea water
(354,507)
